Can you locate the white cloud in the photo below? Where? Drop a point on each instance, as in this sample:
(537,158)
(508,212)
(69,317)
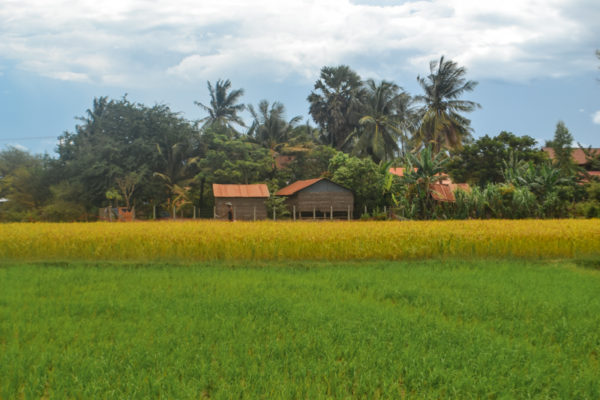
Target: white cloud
(596,117)
(126,41)
(19,146)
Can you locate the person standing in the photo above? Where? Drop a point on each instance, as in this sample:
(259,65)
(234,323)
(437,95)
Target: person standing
(229,212)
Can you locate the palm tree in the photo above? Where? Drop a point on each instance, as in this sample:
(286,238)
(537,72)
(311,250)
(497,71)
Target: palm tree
(386,117)
(442,124)
(335,103)
(269,127)
(223,109)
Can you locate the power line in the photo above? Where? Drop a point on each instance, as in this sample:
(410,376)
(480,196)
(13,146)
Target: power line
(28,138)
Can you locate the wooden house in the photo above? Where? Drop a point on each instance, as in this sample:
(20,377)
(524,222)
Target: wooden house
(318,198)
(247,201)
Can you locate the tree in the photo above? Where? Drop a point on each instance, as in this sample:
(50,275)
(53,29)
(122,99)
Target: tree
(269,127)
(362,176)
(117,138)
(384,120)
(442,122)
(563,149)
(25,181)
(482,161)
(224,107)
(421,170)
(335,103)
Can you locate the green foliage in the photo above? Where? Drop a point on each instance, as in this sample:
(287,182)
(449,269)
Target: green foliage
(421,170)
(443,124)
(563,149)
(299,330)
(269,128)
(386,116)
(483,161)
(363,177)
(25,182)
(335,104)
(223,108)
(313,163)
(277,204)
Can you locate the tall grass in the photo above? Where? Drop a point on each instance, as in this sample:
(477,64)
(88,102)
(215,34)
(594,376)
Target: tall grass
(483,329)
(215,240)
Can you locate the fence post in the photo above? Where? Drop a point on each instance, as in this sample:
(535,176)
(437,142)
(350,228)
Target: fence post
(348,212)
(294,208)
(194,212)
(385,211)
(366,209)
(215,212)
(154,211)
(273,213)
(254,213)
(331,213)
(234,214)
(314,213)
(174,213)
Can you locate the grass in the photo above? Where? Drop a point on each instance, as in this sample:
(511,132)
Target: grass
(421,329)
(265,240)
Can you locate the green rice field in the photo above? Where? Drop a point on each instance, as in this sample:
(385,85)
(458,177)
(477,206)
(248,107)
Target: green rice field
(434,329)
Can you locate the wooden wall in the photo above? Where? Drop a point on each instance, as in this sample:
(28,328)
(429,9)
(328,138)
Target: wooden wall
(321,197)
(243,206)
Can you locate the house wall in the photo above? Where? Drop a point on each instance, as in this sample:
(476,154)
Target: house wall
(321,197)
(243,206)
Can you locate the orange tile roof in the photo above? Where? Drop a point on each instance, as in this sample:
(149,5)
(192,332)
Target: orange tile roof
(258,190)
(577,154)
(297,186)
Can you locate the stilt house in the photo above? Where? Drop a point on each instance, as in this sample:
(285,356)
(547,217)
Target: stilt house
(318,198)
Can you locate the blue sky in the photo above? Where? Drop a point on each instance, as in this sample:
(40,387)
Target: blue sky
(534,59)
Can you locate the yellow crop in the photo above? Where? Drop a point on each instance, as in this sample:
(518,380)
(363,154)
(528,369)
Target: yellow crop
(266,240)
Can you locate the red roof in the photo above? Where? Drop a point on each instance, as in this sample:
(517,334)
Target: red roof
(297,186)
(399,171)
(577,154)
(445,192)
(258,190)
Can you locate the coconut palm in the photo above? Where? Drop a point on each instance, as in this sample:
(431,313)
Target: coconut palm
(386,117)
(224,107)
(442,124)
(269,127)
(335,103)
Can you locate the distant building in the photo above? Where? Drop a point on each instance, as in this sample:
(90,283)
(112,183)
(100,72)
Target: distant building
(247,201)
(442,190)
(318,198)
(578,155)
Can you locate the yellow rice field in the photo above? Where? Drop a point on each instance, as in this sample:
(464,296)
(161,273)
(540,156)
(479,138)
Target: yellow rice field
(216,240)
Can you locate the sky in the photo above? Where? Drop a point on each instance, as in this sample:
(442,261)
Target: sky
(534,60)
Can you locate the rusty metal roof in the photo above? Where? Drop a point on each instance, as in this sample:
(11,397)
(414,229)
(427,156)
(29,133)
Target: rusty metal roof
(258,190)
(297,186)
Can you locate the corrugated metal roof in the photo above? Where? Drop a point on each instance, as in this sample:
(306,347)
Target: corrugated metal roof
(257,190)
(297,186)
